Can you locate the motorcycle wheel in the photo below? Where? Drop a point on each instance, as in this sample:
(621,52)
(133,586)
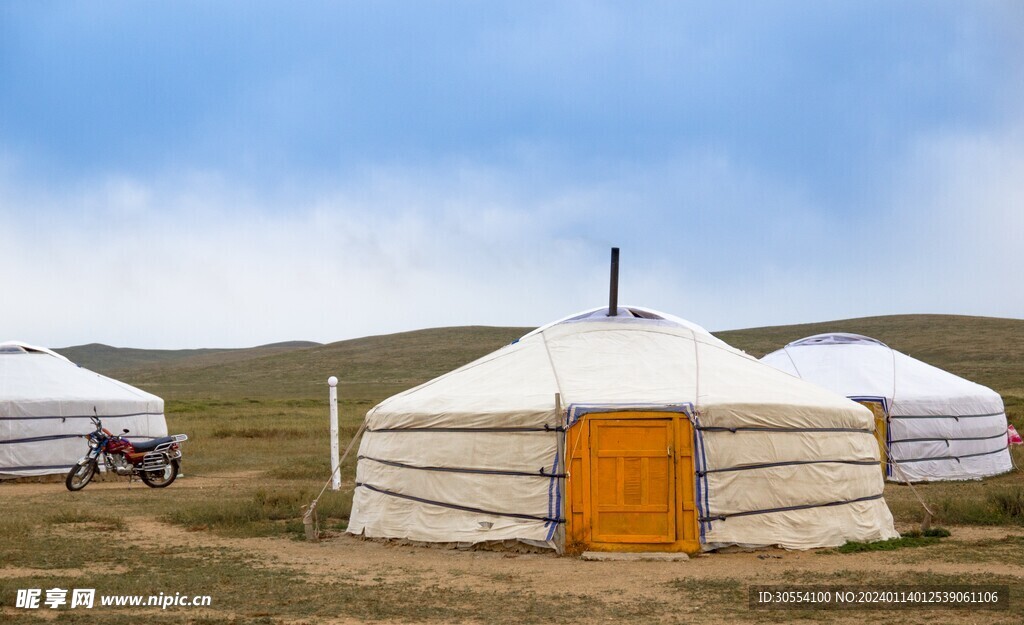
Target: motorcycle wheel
(80,475)
(160,479)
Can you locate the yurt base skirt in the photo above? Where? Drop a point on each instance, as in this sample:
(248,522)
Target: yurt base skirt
(805,529)
(382,515)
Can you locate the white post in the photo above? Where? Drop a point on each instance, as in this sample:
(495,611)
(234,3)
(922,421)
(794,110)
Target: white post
(335,473)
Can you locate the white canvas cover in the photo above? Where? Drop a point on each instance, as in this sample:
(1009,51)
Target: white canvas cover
(45,405)
(941,426)
(474,455)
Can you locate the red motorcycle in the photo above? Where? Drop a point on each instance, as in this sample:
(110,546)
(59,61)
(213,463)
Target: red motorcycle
(155,462)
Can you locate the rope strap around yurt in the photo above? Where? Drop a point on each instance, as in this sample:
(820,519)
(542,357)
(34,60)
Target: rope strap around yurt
(309,518)
(957,458)
(722,517)
(702,473)
(753,428)
(544,428)
(957,417)
(453,506)
(309,512)
(946,439)
(787,463)
(542,472)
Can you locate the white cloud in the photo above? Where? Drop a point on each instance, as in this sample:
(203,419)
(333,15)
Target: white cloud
(194,259)
(134,264)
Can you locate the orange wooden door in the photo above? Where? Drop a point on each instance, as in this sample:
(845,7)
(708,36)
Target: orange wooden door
(632,481)
(881,423)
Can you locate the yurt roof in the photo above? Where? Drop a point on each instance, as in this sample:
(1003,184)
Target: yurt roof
(851,364)
(649,358)
(837,338)
(629,314)
(20,347)
(36,374)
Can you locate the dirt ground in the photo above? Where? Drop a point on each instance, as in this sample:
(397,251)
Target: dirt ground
(971,554)
(339,552)
(365,561)
(357,559)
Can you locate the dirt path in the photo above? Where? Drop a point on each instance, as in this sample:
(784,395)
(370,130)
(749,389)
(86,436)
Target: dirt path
(345,557)
(365,563)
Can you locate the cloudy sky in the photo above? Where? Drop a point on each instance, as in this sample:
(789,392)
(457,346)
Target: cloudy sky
(230,174)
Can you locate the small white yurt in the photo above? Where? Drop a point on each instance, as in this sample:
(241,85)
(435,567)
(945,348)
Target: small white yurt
(633,432)
(932,424)
(45,405)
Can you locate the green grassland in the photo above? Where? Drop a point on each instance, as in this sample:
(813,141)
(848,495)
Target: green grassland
(258,452)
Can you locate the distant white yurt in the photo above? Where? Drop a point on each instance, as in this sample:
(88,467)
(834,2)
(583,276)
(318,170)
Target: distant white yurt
(634,432)
(933,424)
(45,405)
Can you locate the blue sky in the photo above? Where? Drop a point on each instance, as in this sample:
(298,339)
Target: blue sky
(228,174)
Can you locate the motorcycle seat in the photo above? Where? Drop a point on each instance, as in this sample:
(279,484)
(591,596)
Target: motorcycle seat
(151,445)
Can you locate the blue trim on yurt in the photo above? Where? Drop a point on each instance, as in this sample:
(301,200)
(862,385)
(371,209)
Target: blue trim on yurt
(554,495)
(700,469)
(576,411)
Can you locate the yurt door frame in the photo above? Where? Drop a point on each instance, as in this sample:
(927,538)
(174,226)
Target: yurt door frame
(631,484)
(879,407)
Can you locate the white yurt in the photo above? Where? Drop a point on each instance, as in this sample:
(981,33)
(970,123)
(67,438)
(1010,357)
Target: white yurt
(935,425)
(633,432)
(45,404)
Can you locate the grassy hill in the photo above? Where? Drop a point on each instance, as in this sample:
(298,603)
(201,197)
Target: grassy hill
(987,350)
(389,363)
(106,359)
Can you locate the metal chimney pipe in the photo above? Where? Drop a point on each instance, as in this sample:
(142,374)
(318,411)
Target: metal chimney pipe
(613,287)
